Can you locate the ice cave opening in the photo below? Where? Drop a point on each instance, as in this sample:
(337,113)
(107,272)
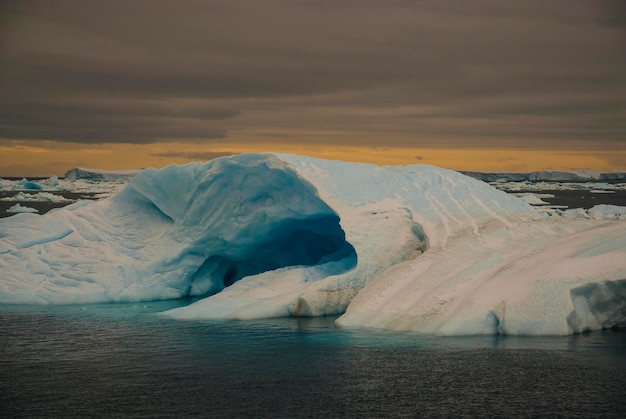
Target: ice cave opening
(295,242)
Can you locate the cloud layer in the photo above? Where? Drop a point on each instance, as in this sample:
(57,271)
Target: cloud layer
(451,73)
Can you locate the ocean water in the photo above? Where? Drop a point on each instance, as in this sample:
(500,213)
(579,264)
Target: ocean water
(123,360)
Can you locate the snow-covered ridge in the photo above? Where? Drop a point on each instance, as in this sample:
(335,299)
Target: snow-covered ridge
(406,248)
(548,176)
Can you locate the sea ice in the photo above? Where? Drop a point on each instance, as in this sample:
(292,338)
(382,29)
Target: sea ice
(36,197)
(26,184)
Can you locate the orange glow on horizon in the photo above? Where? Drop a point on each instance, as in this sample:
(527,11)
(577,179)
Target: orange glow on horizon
(46,158)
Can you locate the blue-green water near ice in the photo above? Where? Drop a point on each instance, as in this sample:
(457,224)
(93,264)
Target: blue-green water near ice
(122,360)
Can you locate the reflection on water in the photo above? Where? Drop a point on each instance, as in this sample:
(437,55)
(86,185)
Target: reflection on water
(123,360)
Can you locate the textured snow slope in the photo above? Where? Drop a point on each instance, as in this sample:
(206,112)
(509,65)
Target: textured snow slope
(390,215)
(515,279)
(408,248)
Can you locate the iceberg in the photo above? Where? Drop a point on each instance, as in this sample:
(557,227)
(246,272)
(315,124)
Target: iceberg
(547,176)
(26,184)
(415,248)
(180,231)
(17,208)
(77,173)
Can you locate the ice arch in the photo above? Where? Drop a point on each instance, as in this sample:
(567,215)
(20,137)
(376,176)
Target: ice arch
(182,230)
(305,242)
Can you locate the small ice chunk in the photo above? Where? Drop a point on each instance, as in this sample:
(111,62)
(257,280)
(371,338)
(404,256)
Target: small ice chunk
(17,208)
(36,197)
(607,212)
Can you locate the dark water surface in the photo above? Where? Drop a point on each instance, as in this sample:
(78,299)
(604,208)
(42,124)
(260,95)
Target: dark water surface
(42,207)
(120,360)
(584,198)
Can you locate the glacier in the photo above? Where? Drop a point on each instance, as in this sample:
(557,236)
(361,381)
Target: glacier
(410,248)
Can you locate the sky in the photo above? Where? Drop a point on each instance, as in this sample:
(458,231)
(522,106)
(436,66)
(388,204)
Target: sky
(491,85)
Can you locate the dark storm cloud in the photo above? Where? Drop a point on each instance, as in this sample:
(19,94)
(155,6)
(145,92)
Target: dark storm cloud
(614,13)
(156,70)
(113,122)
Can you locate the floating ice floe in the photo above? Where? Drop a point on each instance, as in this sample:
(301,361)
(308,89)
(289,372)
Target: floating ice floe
(36,197)
(108,183)
(601,191)
(49,184)
(414,248)
(26,184)
(534,198)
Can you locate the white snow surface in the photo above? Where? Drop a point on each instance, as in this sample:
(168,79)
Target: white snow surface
(414,248)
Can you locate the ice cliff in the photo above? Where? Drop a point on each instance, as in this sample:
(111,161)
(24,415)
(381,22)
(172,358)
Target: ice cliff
(263,235)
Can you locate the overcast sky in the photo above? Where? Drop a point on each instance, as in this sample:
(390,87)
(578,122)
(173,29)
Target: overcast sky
(189,79)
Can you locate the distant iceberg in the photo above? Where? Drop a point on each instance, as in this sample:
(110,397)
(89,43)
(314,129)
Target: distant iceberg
(100,174)
(17,208)
(547,176)
(414,248)
(26,184)
(49,184)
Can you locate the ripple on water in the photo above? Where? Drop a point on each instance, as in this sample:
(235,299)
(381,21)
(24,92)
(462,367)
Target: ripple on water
(120,360)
